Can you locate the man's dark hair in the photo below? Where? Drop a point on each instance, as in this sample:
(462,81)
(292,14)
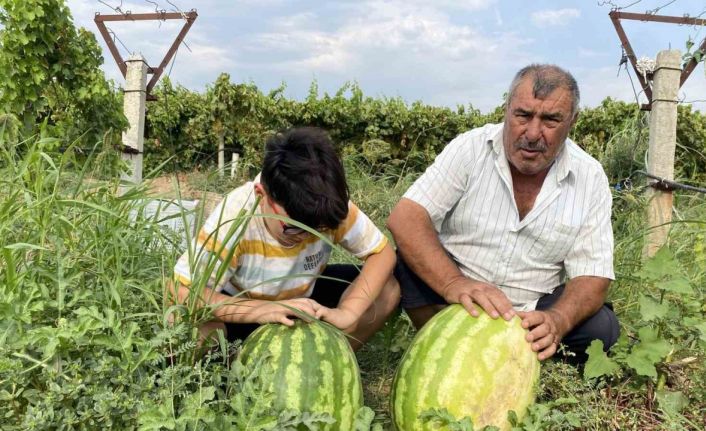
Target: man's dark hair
(302,173)
(546,79)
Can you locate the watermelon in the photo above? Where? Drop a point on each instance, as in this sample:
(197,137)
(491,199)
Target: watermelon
(475,367)
(314,370)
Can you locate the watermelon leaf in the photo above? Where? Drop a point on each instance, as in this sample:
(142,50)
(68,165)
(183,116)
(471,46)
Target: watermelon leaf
(650,309)
(598,364)
(289,420)
(661,265)
(443,418)
(700,326)
(672,402)
(645,355)
(543,416)
(676,285)
(363,419)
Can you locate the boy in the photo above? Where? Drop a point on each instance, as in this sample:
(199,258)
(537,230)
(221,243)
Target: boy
(273,271)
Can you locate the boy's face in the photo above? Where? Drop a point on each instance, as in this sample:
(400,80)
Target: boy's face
(285,233)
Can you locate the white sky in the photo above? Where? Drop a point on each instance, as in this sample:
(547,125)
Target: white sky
(443,52)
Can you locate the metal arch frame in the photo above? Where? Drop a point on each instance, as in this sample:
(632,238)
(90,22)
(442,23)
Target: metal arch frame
(189,17)
(616,16)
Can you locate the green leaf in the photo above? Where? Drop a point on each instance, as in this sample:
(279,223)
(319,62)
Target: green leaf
(512,418)
(661,265)
(650,309)
(676,285)
(650,351)
(363,419)
(701,327)
(598,364)
(443,418)
(672,402)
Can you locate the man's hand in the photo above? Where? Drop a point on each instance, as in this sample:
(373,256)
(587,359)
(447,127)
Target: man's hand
(546,329)
(342,318)
(466,292)
(281,311)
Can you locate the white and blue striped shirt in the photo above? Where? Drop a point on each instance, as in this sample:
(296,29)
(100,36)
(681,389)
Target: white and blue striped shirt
(468,194)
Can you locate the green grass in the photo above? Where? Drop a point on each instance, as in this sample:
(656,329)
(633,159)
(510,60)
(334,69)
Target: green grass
(84,342)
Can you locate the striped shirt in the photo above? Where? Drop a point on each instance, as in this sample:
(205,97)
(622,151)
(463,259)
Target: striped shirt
(257,263)
(468,194)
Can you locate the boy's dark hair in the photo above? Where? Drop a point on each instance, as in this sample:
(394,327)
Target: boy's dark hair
(302,173)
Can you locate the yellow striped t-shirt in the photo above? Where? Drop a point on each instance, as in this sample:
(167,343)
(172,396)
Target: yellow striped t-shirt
(255,263)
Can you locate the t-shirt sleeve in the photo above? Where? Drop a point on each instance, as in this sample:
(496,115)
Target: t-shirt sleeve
(592,252)
(443,183)
(358,234)
(211,249)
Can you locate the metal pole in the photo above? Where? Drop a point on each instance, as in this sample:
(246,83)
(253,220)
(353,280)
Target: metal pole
(663,139)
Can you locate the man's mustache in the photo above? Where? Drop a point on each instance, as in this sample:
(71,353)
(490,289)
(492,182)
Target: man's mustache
(524,144)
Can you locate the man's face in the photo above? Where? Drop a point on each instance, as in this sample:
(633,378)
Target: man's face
(535,129)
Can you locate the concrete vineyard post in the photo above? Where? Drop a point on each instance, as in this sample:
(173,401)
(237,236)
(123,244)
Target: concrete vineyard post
(134,104)
(662,145)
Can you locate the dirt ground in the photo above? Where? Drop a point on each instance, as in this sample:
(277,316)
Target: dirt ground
(167,186)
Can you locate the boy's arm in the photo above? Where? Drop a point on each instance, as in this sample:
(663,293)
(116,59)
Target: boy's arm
(360,295)
(231,309)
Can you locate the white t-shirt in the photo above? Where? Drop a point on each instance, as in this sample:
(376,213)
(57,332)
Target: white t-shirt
(468,194)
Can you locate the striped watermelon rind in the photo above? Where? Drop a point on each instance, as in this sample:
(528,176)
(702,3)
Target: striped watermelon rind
(476,367)
(314,370)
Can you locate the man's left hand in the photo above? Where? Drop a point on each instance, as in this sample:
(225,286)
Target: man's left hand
(546,329)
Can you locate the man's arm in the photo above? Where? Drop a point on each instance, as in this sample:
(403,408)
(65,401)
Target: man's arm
(362,292)
(419,245)
(582,297)
(242,310)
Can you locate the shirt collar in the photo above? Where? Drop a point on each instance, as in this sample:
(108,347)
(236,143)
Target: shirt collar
(563,159)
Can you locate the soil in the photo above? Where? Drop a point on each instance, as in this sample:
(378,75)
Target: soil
(167,186)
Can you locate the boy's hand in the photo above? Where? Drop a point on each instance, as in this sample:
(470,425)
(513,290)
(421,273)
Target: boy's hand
(283,311)
(343,319)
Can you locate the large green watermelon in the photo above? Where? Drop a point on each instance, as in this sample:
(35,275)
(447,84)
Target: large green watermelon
(314,370)
(476,367)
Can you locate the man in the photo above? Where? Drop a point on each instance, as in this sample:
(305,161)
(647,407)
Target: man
(505,214)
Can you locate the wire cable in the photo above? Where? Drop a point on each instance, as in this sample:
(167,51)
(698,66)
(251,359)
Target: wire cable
(115,37)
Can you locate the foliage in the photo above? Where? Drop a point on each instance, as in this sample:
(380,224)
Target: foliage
(615,133)
(548,415)
(50,73)
(84,338)
(442,418)
(672,315)
(691,145)
(384,131)
(172,134)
